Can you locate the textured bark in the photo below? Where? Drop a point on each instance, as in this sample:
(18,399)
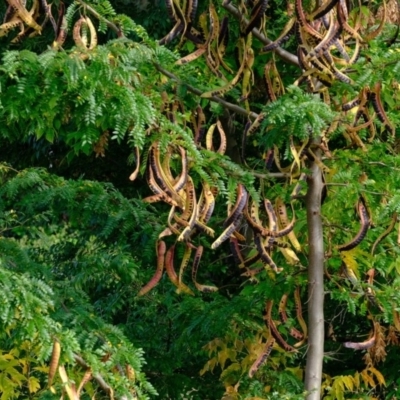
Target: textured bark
(313,373)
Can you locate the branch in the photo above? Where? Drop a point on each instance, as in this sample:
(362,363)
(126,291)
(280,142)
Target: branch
(285,55)
(230,106)
(313,372)
(216,99)
(270,175)
(102,383)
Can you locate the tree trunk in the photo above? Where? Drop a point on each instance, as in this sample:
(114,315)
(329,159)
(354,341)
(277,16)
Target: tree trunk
(313,373)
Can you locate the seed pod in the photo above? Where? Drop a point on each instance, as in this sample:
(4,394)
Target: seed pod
(195,267)
(262,357)
(161,249)
(366,344)
(273,329)
(236,212)
(365,222)
(169,268)
(55,358)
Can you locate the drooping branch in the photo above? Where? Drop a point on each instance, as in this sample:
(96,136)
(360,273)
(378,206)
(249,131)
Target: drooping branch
(313,373)
(285,55)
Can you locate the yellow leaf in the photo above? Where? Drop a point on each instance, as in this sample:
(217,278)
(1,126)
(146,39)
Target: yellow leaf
(222,357)
(7,356)
(15,375)
(25,345)
(248,344)
(43,368)
(14,352)
(296,371)
(209,366)
(25,365)
(7,393)
(33,384)
(238,344)
(350,261)
(348,382)
(213,345)
(357,380)
(378,375)
(247,361)
(231,393)
(229,377)
(338,388)
(367,379)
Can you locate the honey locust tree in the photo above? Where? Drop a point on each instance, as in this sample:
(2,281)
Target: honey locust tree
(286,113)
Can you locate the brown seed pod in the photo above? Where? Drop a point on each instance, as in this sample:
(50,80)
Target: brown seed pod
(235,250)
(366,344)
(365,222)
(161,249)
(169,268)
(236,212)
(283,317)
(262,357)
(55,358)
(195,267)
(273,329)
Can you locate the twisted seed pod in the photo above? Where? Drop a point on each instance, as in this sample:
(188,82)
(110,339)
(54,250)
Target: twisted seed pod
(299,315)
(365,222)
(256,16)
(161,249)
(274,331)
(235,250)
(169,268)
(241,200)
(283,317)
(284,36)
(264,254)
(195,267)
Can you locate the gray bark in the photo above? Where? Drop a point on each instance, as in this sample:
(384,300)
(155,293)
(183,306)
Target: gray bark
(313,373)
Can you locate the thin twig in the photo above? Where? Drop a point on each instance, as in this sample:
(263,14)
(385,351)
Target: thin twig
(270,175)
(216,99)
(383,165)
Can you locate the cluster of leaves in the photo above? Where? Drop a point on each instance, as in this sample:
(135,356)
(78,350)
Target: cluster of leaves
(64,244)
(74,253)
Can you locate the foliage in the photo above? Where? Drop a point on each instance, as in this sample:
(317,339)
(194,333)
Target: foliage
(76,253)
(58,254)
